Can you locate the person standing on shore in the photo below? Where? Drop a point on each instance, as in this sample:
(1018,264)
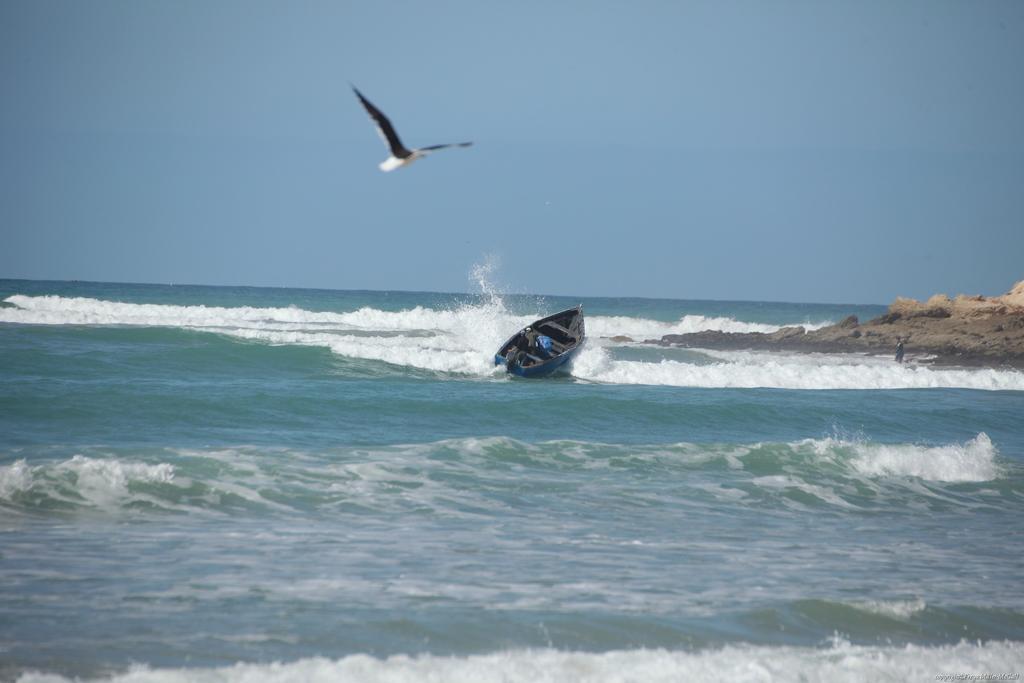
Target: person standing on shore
(899,350)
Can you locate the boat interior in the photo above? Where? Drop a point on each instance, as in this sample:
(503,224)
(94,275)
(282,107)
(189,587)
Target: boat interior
(558,329)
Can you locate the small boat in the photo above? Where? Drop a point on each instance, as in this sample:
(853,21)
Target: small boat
(545,346)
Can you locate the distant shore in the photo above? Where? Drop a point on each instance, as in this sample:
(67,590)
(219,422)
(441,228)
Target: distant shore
(965,331)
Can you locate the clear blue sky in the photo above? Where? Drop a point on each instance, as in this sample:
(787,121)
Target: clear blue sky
(800,151)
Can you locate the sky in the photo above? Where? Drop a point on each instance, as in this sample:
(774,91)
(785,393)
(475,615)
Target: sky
(835,152)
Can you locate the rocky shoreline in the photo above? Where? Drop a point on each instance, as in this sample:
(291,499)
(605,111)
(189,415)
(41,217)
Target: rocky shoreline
(965,331)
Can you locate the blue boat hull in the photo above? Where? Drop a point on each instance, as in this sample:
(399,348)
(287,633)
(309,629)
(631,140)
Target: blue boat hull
(566,331)
(558,364)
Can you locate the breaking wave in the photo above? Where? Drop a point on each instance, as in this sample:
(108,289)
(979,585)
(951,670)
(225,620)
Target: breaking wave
(82,482)
(841,661)
(57,310)
(640,329)
(462,340)
(901,610)
(431,476)
(747,370)
(971,461)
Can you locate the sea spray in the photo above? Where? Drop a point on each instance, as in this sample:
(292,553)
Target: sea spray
(481,274)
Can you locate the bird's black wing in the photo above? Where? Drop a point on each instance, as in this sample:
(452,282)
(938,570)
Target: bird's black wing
(384,127)
(451,144)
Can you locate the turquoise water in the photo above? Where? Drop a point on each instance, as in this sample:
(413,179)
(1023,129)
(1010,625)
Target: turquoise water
(209,480)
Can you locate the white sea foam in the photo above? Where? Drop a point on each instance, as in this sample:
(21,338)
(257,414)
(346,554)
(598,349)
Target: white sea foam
(57,310)
(399,478)
(971,461)
(822,493)
(789,371)
(103,482)
(14,478)
(93,482)
(463,340)
(641,329)
(839,662)
(894,609)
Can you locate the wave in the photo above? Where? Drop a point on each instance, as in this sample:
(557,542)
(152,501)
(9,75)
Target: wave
(57,310)
(462,340)
(641,329)
(82,482)
(431,477)
(971,461)
(748,370)
(901,610)
(840,661)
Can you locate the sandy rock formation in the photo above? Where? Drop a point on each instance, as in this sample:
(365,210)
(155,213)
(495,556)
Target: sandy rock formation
(966,330)
(1015,297)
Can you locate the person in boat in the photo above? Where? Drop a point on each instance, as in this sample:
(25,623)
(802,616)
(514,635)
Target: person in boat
(539,345)
(530,337)
(522,344)
(544,346)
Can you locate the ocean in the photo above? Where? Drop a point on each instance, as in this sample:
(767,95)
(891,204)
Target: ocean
(253,484)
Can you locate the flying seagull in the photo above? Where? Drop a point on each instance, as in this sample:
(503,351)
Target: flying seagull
(400,156)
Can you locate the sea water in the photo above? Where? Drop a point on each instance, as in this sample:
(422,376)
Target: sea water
(228,484)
